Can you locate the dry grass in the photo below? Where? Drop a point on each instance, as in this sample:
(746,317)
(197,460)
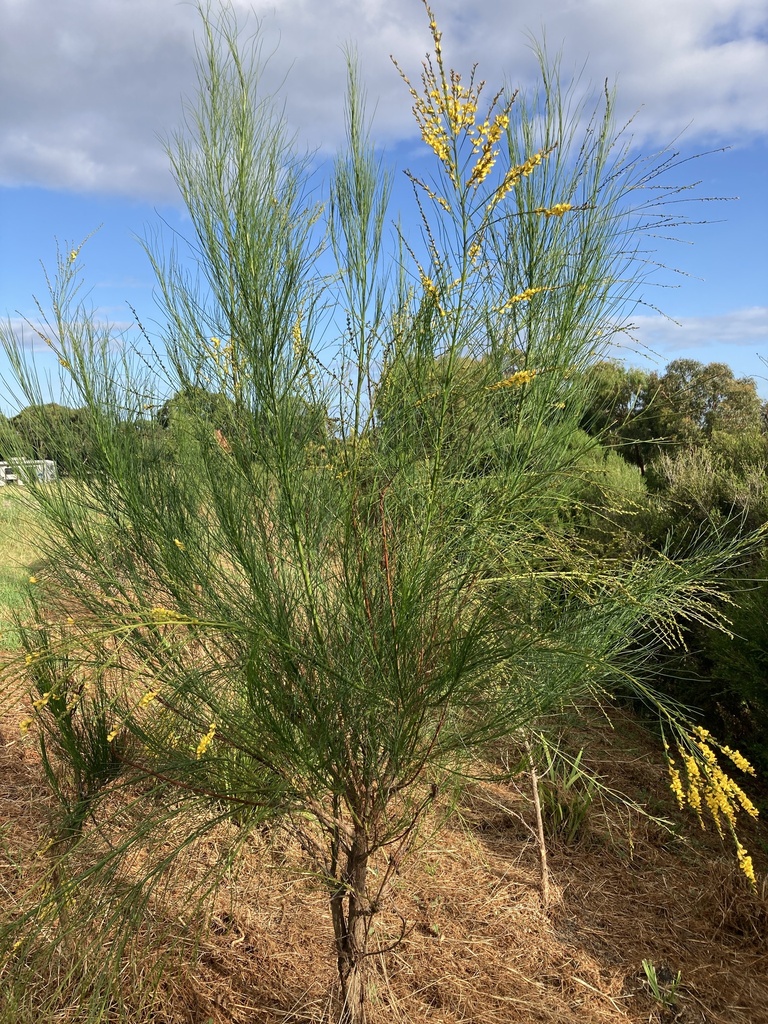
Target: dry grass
(478,947)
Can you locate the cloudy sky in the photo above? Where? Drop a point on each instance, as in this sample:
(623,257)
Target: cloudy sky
(88,88)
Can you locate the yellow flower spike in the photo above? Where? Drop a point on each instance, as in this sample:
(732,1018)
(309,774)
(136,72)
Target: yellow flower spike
(179,544)
(25,725)
(515,174)
(554,211)
(74,253)
(432,290)
(523,296)
(708,783)
(33,579)
(744,802)
(206,741)
(739,760)
(161,614)
(296,335)
(708,754)
(148,697)
(745,863)
(517,380)
(113,732)
(675,782)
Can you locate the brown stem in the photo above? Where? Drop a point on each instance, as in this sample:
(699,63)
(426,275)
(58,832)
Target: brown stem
(351,913)
(541,841)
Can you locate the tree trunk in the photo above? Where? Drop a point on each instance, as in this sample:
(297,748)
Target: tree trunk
(351,912)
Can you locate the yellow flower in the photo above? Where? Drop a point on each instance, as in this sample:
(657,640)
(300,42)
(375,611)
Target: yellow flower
(113,732)
(25,724)
(165,614)
(514,175)
(554,211)
(740,761)
(296,335)
(179,544)
(745,863)
(515,381)
(675,783)
(148,697)
(73,255)
(206,741)
(33,579)
(523,296)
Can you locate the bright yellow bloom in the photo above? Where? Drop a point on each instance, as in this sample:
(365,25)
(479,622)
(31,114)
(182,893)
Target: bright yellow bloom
(113,732)
(25,724)
(739,760)
(33,579)
(517,380)
(446,113)
(516,174)
(554,211)
(710,785)
(430,287)
(179,544)
(745,863)
(148,697)
(523,296)
(206,741)
(675,783)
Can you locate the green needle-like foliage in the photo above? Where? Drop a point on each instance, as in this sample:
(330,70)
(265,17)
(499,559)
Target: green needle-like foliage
(343,566)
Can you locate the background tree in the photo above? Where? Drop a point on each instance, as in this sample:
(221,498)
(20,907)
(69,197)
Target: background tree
(52,431)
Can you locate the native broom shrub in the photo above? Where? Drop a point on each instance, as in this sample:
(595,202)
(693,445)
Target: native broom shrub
(324,606)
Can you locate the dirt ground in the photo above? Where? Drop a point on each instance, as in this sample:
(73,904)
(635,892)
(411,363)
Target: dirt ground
(478,945)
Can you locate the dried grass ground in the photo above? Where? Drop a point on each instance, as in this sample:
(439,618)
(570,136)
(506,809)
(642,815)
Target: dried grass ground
(479,947)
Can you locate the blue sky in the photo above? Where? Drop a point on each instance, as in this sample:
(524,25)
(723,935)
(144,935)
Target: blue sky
(87,90)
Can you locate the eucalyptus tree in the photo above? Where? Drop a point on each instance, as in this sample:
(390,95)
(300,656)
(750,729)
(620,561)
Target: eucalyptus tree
(323,622)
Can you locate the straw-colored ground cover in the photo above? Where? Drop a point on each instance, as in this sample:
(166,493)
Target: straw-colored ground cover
(478,946)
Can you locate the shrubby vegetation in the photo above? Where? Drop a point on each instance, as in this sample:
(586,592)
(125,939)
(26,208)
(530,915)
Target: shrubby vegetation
(698,436)
(385,520)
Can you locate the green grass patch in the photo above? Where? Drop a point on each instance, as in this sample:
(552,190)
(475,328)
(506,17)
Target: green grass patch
(18,556)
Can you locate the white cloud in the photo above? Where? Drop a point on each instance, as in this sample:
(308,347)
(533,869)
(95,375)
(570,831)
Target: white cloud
(87,87)
(739,328)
